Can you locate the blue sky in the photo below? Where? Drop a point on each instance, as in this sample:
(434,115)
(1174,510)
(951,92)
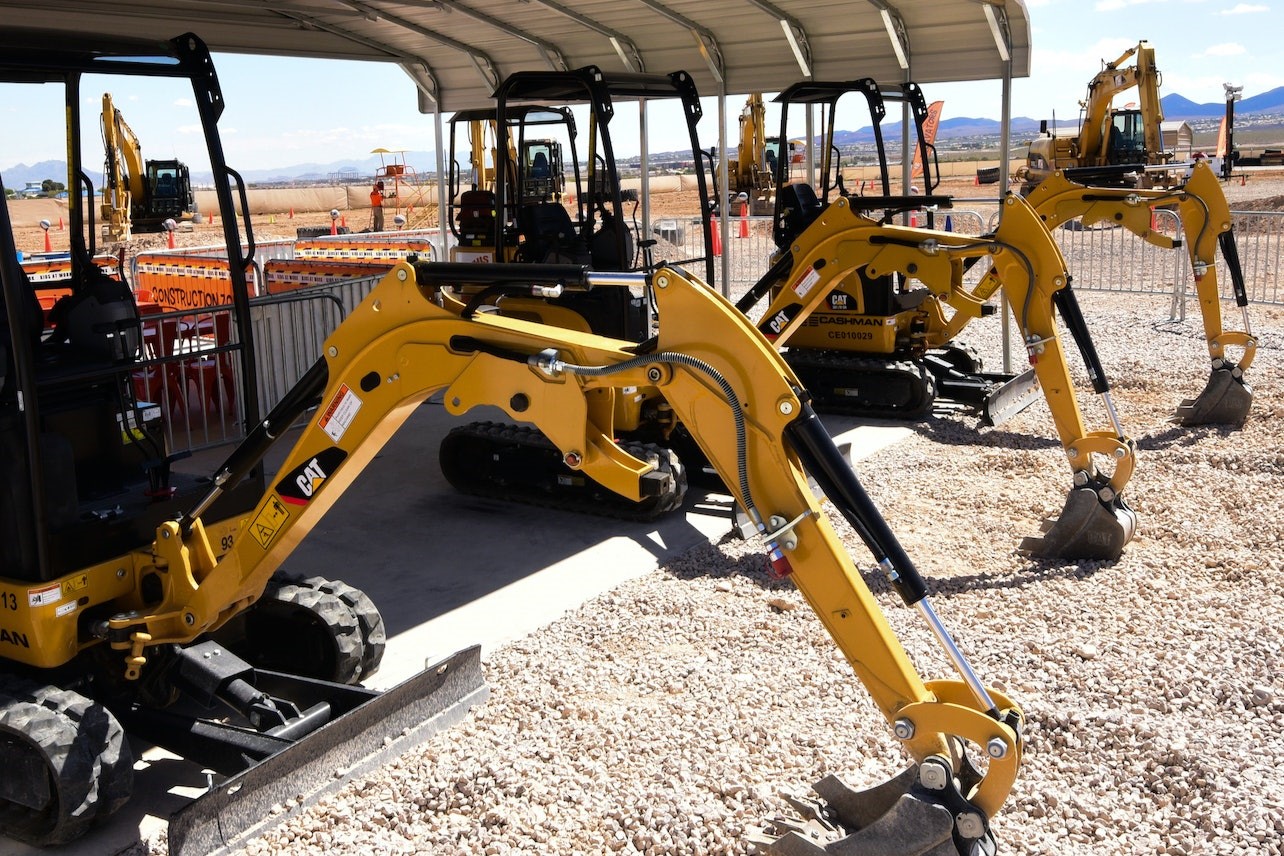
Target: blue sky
(283,112)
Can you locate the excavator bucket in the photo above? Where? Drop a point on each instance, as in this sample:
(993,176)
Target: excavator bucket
(905,816)
(1226,400)
(1087,528)
(380,726)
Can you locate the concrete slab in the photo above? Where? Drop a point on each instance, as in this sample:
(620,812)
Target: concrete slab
(448,571)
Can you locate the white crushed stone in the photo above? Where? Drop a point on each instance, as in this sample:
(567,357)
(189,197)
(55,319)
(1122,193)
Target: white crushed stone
(666,716)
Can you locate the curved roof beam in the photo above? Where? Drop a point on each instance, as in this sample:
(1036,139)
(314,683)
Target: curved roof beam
(997,17)
(551,53)
(795,34)
(423,77)
(706,42)
(896,31)
(484,64)
(623,46)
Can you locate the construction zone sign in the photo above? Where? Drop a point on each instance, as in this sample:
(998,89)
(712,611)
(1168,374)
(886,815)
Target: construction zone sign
(183,282)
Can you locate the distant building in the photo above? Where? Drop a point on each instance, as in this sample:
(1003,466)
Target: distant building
(1178,138)
(32,190)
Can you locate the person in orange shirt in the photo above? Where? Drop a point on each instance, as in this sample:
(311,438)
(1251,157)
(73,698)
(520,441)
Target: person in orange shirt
(376,207)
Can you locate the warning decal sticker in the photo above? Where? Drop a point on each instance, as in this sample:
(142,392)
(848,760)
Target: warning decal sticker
(806,282)
(44,596)
(339,415)
(269,522)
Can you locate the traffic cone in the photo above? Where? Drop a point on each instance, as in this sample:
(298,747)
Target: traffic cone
(715,235)
(949,223)
(59,224)
(913,220)
(291,213)
(977,180)
(170,242)
(334,227)
(48,245)
(343,221)
(271,219)
(744,222)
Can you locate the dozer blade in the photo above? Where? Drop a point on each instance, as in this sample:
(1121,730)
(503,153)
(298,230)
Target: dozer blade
(1010,398)
(1086,529)
(900,817)
(388,724)
(1225,400)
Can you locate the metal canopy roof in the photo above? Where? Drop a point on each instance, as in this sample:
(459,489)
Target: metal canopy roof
(457,53)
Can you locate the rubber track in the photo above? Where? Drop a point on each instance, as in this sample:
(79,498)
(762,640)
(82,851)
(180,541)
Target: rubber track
(821,371)
(592,499)
(374,636)
(86,753)
(279,609)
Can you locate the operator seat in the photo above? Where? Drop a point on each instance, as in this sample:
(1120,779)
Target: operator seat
(539,166)
(550,235)
(799,207)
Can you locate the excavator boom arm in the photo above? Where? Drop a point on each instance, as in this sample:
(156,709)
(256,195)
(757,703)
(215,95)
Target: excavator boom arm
(729,387)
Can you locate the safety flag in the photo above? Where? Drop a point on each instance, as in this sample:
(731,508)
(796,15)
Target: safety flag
(929,135)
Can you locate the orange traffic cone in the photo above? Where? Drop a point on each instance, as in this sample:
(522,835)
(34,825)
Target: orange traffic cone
(170,242)
(343,221)
(48,245)
(334,227)
(715,235)
(59,224)
(291,213)
(744,222)
(913,220)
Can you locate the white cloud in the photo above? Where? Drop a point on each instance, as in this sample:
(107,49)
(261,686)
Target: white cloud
(184,102)
(1224,49)
(1245,9)
(192,129)
(1116,5)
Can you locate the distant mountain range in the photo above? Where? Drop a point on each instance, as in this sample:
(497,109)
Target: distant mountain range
(355,171)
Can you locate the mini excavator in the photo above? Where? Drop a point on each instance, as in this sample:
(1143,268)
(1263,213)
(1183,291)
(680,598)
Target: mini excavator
(866,351)
(1096,522)
(1206,224)
(111,600)
(512,208)
(116,621)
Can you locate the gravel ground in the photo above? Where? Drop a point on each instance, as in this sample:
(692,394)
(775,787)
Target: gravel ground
(668,715)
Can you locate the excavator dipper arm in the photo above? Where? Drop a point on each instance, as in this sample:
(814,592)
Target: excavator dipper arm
(735,395)
(1095,524)
(1206,224)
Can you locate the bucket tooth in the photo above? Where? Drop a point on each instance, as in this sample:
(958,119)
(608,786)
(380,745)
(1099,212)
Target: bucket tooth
(1226,400)
(896,818)
(1087,528)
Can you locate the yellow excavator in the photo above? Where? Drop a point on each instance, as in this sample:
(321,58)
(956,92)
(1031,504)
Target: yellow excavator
(112,600)
(810,289)
(1206,225)
(1119,147)
(751,174)
(138,195)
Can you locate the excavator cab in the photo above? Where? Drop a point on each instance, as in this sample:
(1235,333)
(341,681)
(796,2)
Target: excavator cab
(591,221)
